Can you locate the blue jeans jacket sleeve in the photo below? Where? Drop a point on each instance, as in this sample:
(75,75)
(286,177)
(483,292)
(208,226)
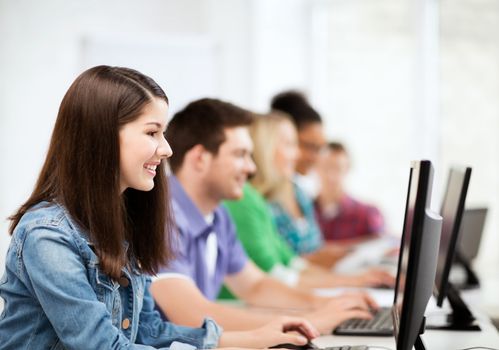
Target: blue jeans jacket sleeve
(156,332)
(81,321)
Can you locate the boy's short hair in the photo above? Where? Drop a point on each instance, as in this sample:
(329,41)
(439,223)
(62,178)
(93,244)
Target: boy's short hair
(202,122)
(296,105)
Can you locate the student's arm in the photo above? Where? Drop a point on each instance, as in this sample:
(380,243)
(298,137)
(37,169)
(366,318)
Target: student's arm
(313,276)
(265,331)
(256,288)
(253,286)
(183,303)
(318,277)
(350,243)
(158,333)
(327,255)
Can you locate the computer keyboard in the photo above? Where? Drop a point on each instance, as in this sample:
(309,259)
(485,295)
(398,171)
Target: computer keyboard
(346,347)
(380,325)
(311,346)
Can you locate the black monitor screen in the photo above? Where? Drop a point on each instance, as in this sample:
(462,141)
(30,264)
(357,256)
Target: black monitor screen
(417,258)
(451,211)
(406,239)
(417,173)
(404,248)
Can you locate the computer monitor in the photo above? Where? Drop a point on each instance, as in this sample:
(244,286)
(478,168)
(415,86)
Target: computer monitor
(470,237)
(417,259)
(471,231)
(452,213)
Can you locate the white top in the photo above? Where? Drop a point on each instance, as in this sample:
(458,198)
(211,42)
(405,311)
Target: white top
(211,252)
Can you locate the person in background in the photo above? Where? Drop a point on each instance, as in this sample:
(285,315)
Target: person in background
(275,152)
(211,163)
(97,223)
(342,218)
(311,139)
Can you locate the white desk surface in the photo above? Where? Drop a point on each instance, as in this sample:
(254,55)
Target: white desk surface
(433,339)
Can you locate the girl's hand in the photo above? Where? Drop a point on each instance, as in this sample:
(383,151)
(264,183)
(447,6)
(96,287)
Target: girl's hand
(294,330)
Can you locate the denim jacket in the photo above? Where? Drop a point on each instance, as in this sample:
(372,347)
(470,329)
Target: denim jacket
(56,296)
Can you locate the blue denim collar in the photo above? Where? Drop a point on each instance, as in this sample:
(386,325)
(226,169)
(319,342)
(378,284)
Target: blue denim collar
(85,236)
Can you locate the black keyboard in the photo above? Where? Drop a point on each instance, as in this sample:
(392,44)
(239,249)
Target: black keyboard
(311,346)
(346,347)
(380,325)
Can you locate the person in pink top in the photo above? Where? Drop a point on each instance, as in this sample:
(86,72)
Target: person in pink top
(342,218)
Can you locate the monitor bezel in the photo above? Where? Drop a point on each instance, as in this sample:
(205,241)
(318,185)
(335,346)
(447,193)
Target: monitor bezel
(442,286)
(421,171)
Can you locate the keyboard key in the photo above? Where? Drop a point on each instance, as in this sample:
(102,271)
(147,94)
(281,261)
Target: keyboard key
(347,347)
(380,324)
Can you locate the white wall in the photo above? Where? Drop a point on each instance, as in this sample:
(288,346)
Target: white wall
(41,46)
(357,59)
(368,97)
(470,109)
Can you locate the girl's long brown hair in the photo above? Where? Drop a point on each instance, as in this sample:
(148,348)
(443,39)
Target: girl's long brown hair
(82,171)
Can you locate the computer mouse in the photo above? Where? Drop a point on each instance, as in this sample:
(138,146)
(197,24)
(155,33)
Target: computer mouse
(384,286)
(290,346)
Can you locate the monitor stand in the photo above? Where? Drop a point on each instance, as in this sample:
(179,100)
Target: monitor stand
(471,278)
(460,319)
(419,345)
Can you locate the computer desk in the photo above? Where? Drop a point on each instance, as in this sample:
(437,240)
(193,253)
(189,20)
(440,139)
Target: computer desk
(433,339)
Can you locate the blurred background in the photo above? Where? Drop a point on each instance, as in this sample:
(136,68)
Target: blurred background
(395,80)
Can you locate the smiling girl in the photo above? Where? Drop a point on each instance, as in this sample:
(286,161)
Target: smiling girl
(96,223)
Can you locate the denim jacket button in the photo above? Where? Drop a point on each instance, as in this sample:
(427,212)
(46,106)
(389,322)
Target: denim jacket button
(123,281)
(125,324)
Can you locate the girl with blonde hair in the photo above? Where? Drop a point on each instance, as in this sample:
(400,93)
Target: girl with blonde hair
(275,220)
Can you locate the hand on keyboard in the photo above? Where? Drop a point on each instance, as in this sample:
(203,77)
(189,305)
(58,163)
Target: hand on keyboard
(374,277)
(380,325)
(339,309)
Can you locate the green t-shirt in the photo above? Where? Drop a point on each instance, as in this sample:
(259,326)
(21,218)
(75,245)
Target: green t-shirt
(257,232)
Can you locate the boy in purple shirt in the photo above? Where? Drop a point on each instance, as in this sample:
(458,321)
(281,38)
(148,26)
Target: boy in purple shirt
(211,162)
(199,260)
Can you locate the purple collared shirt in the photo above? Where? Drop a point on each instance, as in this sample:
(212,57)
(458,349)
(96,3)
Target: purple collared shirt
(190,251)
